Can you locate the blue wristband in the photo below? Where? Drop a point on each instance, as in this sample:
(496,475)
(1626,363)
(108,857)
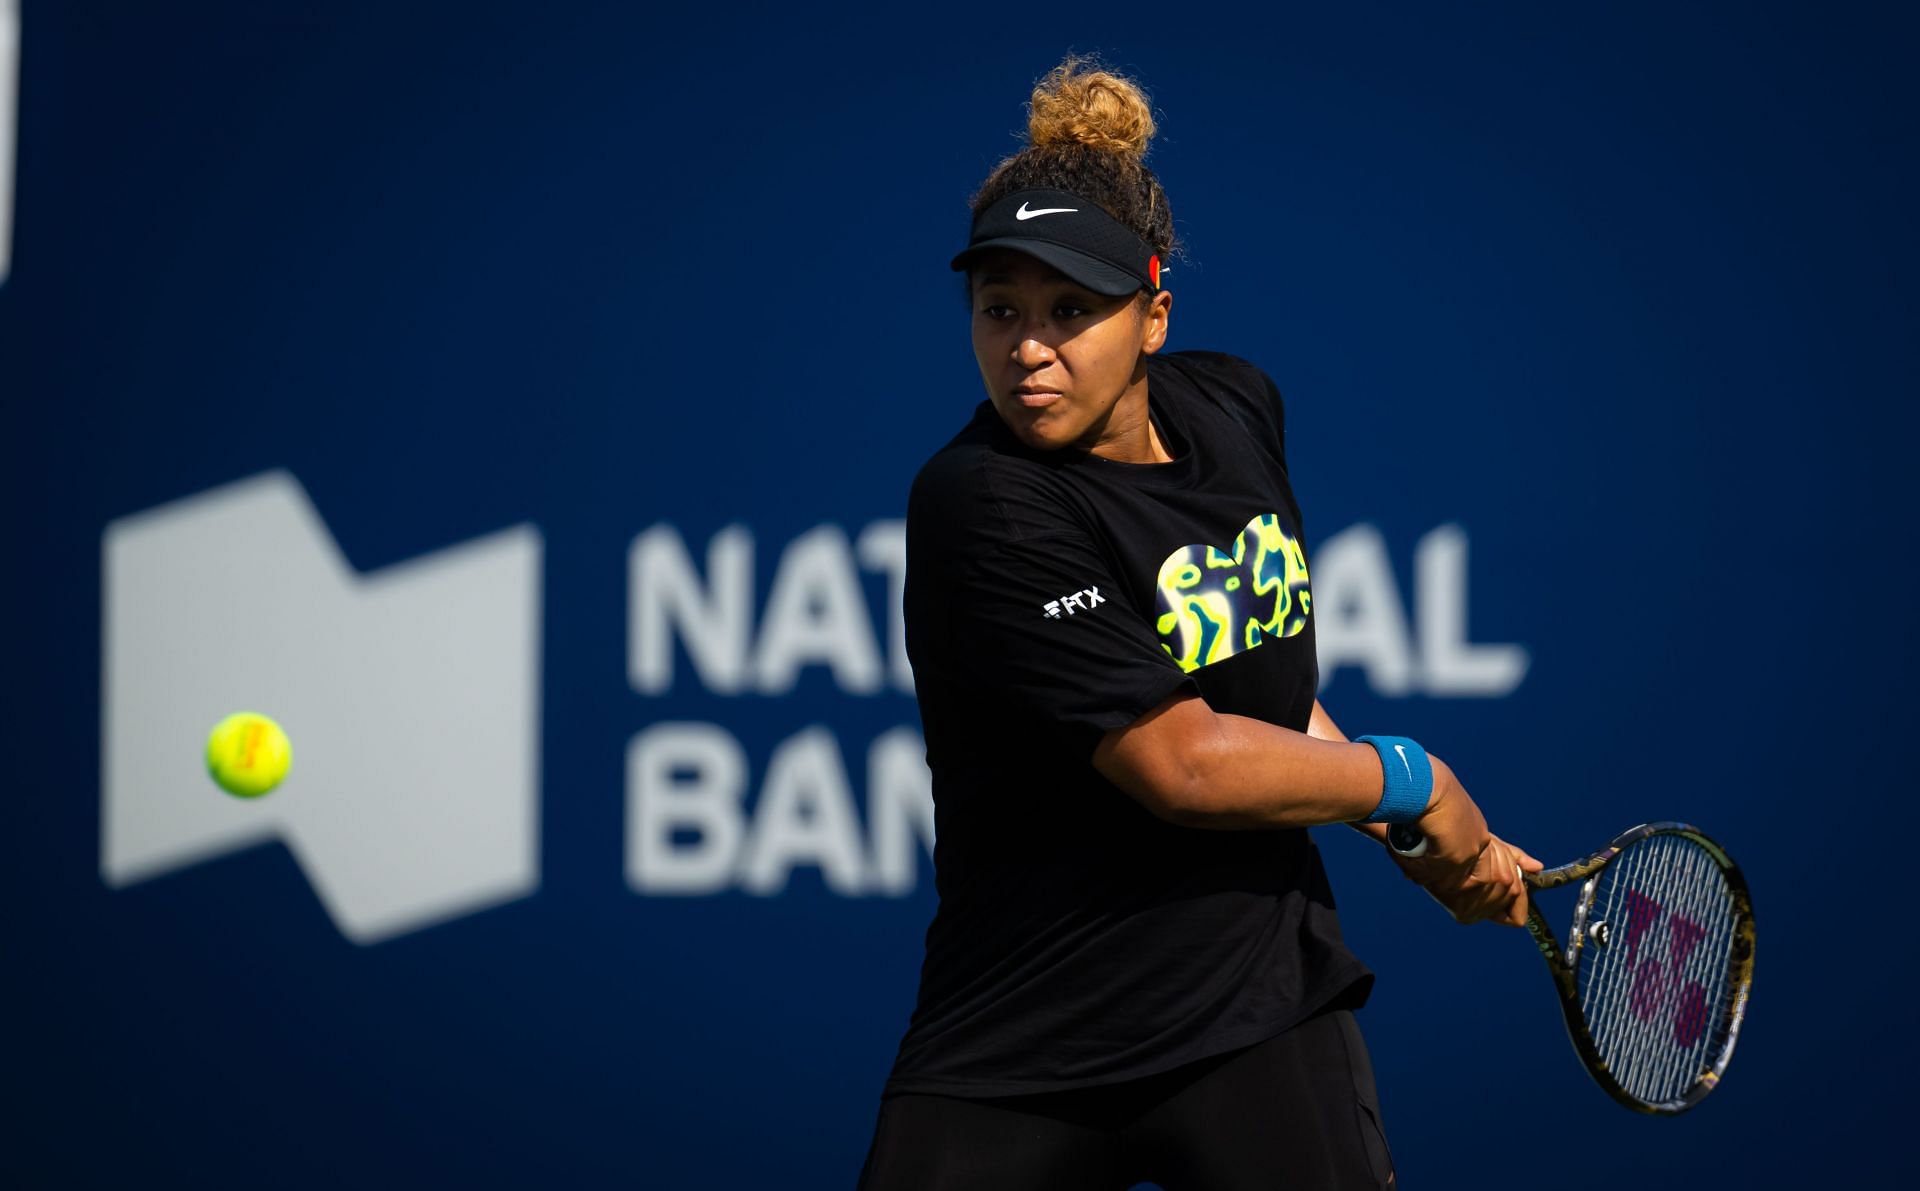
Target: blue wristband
(1409,779)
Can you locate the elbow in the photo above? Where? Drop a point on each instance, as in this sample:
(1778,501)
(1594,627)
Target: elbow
(1177,792)
(1163,762)
(1182,813)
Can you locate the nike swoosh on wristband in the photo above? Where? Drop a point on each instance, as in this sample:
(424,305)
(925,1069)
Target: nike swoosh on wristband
(1402,750)
(1023,213)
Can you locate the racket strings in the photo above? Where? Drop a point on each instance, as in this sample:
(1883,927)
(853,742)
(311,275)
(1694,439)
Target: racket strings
(1656,997)
(1672,998)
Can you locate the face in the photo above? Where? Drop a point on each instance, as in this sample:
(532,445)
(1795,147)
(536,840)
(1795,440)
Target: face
(1063,366)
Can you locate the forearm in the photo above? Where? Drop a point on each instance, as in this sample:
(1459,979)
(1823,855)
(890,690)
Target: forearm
(1252,774)
(1322,727)
(1475,895)
(1193,766)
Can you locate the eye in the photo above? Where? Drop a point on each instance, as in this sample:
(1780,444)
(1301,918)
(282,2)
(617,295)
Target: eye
(1068,310)
(996,311)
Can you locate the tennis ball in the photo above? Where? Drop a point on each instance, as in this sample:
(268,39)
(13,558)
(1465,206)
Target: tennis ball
(248,754)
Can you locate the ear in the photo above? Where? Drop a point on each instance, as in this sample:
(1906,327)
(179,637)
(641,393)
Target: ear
(1153,324)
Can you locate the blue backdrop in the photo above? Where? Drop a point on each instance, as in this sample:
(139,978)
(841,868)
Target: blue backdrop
(1625,295)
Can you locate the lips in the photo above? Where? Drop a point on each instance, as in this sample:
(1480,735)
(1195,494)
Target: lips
(1036,398)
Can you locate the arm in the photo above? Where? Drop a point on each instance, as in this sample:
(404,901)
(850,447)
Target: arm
(1192,766)
(1322,727)
(1515,913)
(1197,768)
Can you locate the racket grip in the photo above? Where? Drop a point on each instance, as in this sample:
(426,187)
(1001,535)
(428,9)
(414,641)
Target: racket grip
(1407,840)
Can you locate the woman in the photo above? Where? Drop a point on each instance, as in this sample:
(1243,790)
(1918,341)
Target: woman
(1135,972)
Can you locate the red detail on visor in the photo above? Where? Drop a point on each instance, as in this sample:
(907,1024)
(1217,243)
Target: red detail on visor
(1153,270)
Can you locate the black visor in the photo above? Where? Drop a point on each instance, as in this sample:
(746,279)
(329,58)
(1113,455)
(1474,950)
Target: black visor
(1069,233)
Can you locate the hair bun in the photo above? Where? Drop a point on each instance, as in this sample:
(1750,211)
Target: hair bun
(1079,102)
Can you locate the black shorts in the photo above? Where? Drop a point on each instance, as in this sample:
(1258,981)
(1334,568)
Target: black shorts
(1296,1111)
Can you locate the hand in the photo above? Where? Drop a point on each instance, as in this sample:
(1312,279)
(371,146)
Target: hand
(1494,890)
(1466,868)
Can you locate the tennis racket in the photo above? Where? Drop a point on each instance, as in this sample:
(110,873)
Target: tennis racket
(1657,966)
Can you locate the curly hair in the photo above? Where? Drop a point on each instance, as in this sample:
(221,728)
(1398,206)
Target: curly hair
(1087,132)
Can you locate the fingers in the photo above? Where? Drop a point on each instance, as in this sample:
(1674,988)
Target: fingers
(1494,889)
(1490,884)
(1522,904)
(1516,910)
(1517,916)
(1501,880)
(1486,893)
(1514,913)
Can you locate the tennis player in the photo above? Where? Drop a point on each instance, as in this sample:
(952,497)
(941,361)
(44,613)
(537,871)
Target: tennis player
(1135,972)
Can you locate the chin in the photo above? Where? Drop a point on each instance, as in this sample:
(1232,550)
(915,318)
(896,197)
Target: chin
(1042,436)
(1042,433)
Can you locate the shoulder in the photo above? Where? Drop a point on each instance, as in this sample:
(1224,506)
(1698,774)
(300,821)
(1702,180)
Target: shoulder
(1222,377)
(1217,364)
(982,490)
(1230,384)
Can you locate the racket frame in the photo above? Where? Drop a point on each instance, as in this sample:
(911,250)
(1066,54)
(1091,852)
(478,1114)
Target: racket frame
(1564,962)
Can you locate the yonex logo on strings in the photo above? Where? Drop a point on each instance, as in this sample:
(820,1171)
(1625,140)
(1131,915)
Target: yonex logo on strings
(1082,601)
(1662,988)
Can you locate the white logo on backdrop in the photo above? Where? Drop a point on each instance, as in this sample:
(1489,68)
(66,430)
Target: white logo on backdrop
(411,696)
(9,123)
(1359,620)
(689,826)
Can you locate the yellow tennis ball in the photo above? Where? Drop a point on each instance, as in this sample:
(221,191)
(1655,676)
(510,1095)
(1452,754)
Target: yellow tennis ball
(248,754)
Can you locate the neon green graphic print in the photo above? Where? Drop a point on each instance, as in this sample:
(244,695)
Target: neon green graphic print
(1212,605)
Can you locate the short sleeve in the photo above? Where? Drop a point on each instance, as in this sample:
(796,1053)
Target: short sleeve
(1043,624)
(1277,410)
(1243,390)
(1250,395)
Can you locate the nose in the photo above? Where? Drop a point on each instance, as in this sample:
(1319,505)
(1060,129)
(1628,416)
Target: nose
(1030,353)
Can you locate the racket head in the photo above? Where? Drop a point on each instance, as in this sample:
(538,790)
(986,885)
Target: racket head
(1658,965)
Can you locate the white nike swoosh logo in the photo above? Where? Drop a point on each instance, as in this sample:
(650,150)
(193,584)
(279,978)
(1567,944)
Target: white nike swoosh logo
(1023,213)
(1402,750)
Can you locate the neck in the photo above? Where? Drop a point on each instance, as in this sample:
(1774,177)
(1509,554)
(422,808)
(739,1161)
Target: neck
(1130,435)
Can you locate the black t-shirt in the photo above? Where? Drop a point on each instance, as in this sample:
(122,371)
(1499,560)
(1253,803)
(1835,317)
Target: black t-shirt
(1051,596)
